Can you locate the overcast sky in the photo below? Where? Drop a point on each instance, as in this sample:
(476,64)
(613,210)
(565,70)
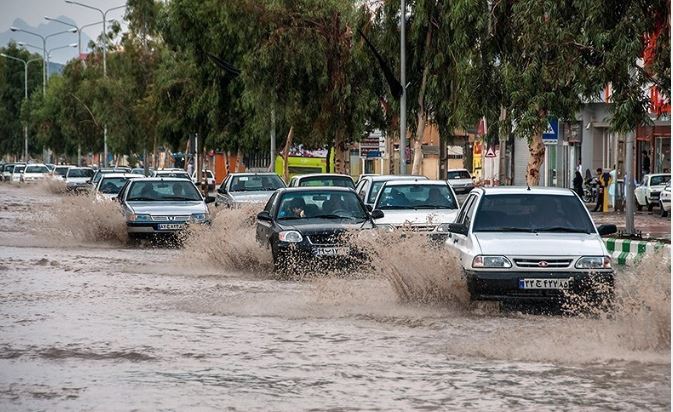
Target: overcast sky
(33,12)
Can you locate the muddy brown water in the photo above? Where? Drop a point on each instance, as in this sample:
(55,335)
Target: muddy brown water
(88,322)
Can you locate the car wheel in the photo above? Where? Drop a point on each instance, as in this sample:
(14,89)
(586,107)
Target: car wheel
(650,206)
(639,206)
(663,213)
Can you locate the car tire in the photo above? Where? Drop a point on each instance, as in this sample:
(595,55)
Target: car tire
(639,206)
(650,206)
(663,213)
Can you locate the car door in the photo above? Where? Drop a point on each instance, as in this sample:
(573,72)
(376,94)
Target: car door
(264,229)
(464,244)
(641,190)
(221,197)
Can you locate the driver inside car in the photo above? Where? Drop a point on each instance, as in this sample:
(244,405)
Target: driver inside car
(293,208)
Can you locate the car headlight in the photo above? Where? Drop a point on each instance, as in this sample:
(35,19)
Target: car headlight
(481,261)
(199,217)
(290,236)
(139,218)
(443,228)
(593,262)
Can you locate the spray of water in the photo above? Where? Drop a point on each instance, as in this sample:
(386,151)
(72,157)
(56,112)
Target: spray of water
(51,186)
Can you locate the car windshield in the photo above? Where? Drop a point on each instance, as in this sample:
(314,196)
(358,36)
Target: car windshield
(61,171)
(416,196)
(76,172)
(338,181)
(458,174)
(321,204)
(659,180)
(9,168)
(160,191)
(532,213)
(255,183)
(18,169)
(112,185)
(37,169)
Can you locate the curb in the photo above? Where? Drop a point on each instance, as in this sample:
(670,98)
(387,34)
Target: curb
(627,251)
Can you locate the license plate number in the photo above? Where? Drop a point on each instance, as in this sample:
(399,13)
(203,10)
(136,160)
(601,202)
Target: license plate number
(331,251)
(535,283)
(170,226)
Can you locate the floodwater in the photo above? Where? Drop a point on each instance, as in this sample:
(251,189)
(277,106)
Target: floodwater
(90,322)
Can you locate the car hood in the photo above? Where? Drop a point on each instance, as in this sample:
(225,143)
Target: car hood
(657,188)
(418,217)
(324,225)
(540,244)
(461,182)
(167,208)
(77,179)
(251,197)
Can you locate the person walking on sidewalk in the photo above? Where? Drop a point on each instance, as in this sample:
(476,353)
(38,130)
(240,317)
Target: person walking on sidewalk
(578,183)
(646,163)
(603,183)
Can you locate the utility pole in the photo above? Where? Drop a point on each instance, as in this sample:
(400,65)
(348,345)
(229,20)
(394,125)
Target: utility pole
(403,81)
(628,184)
(272,165)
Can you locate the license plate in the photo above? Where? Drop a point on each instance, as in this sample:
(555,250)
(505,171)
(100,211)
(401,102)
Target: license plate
(562,283)
(331,251)
(170,226)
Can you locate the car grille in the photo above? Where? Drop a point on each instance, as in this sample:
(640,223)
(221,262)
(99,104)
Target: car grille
(654,194)
(542,263)
(325,238)
(170,218)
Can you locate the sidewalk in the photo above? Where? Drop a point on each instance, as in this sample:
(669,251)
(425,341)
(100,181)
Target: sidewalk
(650,224)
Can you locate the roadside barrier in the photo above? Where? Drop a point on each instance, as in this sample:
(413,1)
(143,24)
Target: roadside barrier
(627,251)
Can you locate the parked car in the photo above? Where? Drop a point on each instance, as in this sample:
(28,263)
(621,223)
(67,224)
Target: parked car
(369,186)
(18,169)
(160,206)
(78,178)
(141,171)
(460,180)
(647,192)
(110,184)
(322,179)
(172,173)
(307,225)
(100,172)
(210,177)
(419,205)
(245,188)
(531,244)
(34,172)
(7,170)
(665,200)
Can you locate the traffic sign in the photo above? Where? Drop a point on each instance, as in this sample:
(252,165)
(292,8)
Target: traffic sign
(550,135)
(490,152)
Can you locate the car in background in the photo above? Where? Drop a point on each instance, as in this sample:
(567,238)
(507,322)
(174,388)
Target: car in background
(7,170)
(16,173)
(78,178)
(162,206)
(322,179)
(60,171)
(309,224)
(100,172)
(210,178)
(141,171)
(245,188)
(368,188)
(423,206)
(110,184)
(531,244)
(647,192)
(179,173)
(34,172)
(665,200)
(50,166)
(460,180)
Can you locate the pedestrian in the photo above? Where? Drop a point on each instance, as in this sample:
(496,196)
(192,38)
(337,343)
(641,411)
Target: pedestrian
(587,176)
(578,184)
(603,182)
(646,163)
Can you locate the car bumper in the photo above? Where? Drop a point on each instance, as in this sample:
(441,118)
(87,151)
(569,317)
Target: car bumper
(303,253)
(505,286)
(155,228)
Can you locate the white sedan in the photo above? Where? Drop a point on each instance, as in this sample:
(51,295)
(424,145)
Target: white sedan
(665,200)
(34,173)
(647,193)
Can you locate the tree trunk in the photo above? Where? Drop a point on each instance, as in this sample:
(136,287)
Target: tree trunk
(503,132)
(417,165)
(286,153)
(341,153)
(536,149)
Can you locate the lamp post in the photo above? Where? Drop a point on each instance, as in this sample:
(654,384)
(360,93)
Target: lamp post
(48,51)
(25,96)
(79,31)
(403,81)
(44,50)
(104,15)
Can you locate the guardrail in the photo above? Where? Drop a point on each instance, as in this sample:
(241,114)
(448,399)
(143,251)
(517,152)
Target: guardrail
(627,251)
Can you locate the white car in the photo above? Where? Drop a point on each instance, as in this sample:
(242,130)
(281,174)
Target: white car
(665,200)
(78,178)
(15,177)
(210,177)
(110,184)
(647,192)
(7,172)
(171,173)
(60,171)
(368,187)
(34,172)
(245,188)
(322,180)
(418,205)
(534,244)
(460,180)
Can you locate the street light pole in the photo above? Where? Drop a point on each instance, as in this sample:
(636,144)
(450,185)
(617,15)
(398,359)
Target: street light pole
(104,15)
(25,96)
(48,51)
(79,31)
(628,185)
(403,81)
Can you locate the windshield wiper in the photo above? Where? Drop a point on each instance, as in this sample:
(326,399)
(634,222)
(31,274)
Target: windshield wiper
(434,207)
(395,207)
(505,229)
(186,199)
(562,229)
(291,218)
(332,216)
(140,199)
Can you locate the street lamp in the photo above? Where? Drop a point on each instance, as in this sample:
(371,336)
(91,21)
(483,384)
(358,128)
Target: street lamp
(25,95)
(104,15)
(79,31)
(48,51)
(44,50)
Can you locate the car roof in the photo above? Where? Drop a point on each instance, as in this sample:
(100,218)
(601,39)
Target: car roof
(658,174)
(416,182)
(161,179)
(253,174)
(323,175)
(170,171)
(457,170)
(115,175)
(36,164)
(80,167)
(538,190)
(316,189)
(387,178)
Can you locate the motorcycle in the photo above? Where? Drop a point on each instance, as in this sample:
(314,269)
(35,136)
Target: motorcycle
(590,190)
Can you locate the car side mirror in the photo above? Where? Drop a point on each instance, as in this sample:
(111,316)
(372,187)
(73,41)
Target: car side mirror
(222,190)
(210,199)
(376,213)
(458,228)
(264,216)
(605,230)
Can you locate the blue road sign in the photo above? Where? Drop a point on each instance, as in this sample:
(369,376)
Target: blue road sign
(550,135)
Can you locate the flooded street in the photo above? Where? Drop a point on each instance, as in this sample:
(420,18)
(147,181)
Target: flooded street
(89,322)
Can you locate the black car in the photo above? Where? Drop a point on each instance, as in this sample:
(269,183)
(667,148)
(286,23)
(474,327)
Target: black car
(310,224)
